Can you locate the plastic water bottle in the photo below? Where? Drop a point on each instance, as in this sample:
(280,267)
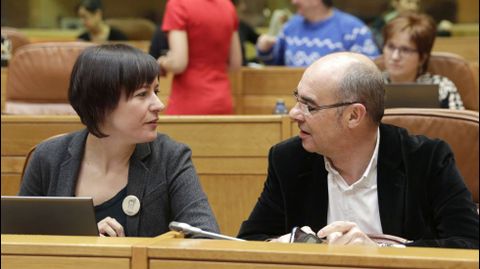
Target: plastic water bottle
(280,107)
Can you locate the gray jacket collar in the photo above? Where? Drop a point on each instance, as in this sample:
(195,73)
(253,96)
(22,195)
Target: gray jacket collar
(138,174)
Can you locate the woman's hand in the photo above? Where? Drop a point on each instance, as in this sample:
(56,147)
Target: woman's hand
(110,227)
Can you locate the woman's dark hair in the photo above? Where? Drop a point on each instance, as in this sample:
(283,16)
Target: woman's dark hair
(91,5)
(422,31)
(101,75)
(328,3)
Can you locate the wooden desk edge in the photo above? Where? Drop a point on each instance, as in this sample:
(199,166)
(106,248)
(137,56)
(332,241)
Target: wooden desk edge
(140,250)
(168,247)
(314,255)
(134,248)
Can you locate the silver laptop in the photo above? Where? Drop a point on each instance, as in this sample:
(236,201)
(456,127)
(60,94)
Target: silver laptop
(411,95)
(48,215)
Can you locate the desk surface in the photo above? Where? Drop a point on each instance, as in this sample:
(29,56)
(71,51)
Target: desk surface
(311,255)
(69,252)
(67,245)
(165,252)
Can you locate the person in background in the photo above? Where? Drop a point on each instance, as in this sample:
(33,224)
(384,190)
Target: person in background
(158,44)
(91,14)
(409,40)
(246,32)
(347,176)
(140,180)
(397,7)
(316,30)
(247,35)
(278,19)
(204,45)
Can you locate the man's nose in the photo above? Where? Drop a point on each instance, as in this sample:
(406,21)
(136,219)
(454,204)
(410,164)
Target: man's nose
(296,113)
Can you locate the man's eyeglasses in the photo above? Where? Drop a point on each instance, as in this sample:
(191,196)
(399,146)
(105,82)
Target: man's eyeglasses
(402,51)
(309,110)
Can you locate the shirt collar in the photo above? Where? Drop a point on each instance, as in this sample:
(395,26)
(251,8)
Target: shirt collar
(366,180)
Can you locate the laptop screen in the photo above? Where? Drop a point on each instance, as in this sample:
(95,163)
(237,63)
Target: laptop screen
(411,95)
(48,215)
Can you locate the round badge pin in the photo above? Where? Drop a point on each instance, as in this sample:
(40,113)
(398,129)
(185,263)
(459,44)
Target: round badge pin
(131,205)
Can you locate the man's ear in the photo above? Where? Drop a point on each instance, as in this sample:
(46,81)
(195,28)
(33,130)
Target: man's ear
(356,114)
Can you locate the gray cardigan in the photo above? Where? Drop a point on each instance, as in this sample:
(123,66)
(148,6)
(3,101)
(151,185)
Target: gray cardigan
(161,175)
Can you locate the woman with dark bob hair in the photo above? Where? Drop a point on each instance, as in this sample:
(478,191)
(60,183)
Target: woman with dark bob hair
(91,14)
(408,42)
(140,180)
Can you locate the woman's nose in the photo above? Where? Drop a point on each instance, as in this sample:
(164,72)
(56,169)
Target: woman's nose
(157,104)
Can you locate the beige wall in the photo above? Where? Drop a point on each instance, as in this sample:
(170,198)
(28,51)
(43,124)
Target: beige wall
(467,11)
(54,9)
(46,13)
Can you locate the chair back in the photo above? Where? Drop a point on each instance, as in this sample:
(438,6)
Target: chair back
(133,28)
(39,74)
(459,128)
(17,38)
(457,70)
(31,151)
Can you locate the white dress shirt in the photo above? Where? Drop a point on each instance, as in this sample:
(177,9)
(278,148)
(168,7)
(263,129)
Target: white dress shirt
(358,202)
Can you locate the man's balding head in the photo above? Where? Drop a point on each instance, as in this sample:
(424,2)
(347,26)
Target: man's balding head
(353,77)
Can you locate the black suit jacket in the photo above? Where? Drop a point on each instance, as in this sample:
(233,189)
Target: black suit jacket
(421,194)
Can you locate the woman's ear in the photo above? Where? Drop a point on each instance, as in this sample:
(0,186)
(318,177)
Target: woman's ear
(421,62)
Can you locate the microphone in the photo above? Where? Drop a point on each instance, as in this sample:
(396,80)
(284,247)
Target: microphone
(188,229)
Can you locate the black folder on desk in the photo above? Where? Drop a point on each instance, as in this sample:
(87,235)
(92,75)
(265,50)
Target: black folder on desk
(411,95)
(48,215)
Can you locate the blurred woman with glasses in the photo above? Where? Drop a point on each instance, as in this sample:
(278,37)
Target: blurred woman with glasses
(408,43)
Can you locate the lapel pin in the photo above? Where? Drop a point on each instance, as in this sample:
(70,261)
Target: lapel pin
(131,205)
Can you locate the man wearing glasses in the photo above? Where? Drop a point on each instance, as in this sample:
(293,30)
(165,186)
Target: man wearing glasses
(347,176)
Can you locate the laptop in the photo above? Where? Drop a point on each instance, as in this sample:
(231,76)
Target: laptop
(48,215)
(411,95)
